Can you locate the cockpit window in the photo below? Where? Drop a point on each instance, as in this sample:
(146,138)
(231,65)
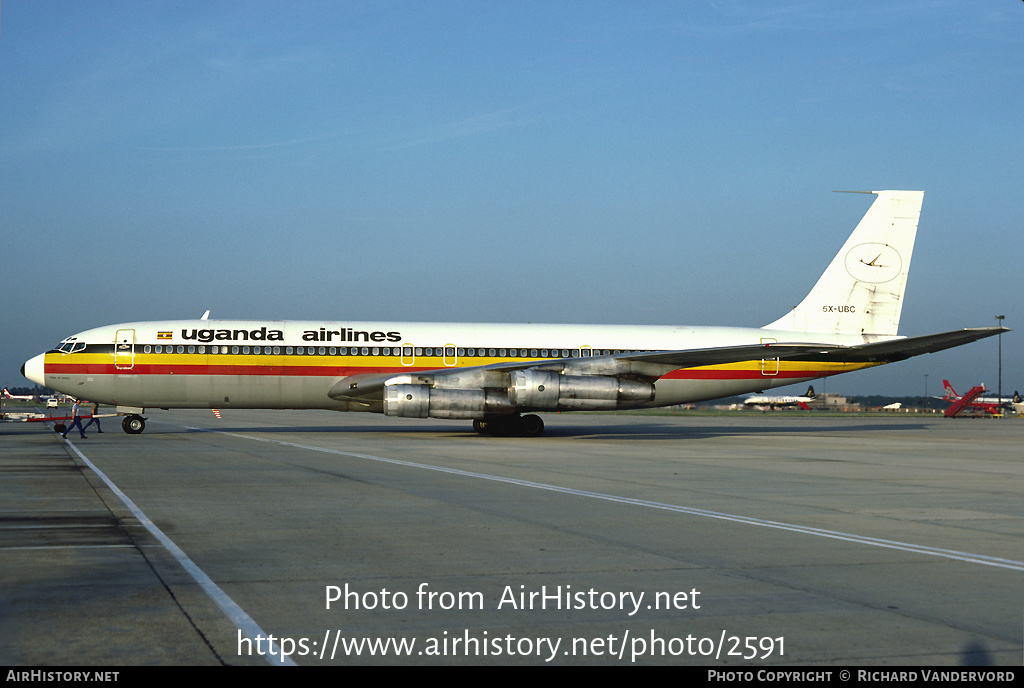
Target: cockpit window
(71,345)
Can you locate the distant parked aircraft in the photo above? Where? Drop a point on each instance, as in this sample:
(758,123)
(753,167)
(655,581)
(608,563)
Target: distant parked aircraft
(764,401)
(22,397)
(974,404)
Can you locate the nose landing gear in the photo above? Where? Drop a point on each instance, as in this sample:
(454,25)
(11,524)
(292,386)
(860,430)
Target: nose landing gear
(133,424)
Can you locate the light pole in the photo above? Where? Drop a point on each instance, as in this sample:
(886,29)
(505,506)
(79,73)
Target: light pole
(999,319)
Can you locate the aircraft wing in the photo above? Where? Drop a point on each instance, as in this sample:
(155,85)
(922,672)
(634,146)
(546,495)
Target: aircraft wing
(646,364)
(691,358)
(643,365)
(650,366)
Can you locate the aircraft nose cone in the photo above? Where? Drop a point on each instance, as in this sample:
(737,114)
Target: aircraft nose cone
(34,370)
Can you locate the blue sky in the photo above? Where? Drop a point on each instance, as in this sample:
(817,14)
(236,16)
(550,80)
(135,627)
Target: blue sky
(635,163)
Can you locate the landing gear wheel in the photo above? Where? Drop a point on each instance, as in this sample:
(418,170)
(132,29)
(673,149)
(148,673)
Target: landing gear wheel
(494,425)
(503,426)
(531,426)
(510,426)
(133,424)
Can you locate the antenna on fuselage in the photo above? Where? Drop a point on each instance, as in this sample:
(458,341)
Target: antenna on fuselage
(206,315)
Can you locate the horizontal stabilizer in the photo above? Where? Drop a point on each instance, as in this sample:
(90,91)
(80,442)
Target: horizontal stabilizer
(900,349)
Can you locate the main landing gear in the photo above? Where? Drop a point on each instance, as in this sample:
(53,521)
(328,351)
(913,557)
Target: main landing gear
(507,426)
(133,424)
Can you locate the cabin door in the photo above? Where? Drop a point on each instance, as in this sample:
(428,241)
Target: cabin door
(769,366)
(124,349)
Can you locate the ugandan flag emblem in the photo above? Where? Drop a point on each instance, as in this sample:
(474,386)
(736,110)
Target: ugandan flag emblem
(163,335)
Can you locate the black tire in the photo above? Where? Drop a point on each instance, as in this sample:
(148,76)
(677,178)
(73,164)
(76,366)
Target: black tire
(505,426)
(133,425)
(531,426)
(510,426)
(496,426)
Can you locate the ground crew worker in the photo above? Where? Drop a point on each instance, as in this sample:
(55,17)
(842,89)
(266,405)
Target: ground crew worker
(94,419)
(75,420)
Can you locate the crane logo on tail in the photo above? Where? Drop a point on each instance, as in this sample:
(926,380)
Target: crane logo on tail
(874,263)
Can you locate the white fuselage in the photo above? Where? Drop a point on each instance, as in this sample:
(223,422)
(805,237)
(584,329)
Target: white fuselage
(293,364)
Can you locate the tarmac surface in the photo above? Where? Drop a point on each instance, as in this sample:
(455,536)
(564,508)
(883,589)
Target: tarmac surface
(748,540)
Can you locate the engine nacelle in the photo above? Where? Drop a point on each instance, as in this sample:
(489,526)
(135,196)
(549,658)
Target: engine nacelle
(546,389)
(422,401)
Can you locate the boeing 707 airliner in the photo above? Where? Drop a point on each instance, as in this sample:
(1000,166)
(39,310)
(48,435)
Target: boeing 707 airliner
(493,374)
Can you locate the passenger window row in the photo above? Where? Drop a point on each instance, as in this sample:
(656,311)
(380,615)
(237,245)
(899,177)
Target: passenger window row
(379,351)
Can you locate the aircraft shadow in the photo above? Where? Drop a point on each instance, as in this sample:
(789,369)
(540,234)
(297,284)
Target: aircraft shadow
(655,431)
(630,432)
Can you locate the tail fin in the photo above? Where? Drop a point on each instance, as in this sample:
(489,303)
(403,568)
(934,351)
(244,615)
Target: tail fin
(951,395)
(861,291)
(810,392)
(6,394)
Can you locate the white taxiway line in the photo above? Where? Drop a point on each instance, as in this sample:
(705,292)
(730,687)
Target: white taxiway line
(235,613)
(820,532)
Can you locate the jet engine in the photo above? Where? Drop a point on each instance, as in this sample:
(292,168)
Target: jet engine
(421,401)
(527,389)
(546,389)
